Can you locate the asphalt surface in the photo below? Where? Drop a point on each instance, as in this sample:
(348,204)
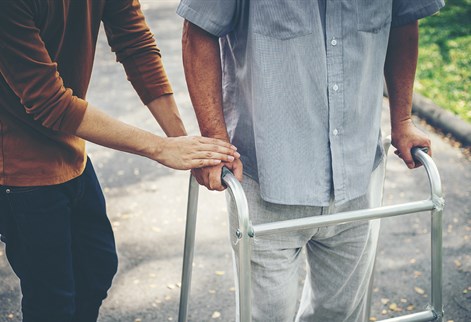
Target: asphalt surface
(147,206)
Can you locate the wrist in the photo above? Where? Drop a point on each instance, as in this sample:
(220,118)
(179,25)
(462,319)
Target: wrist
(154,147)
(403,122)
(221,135)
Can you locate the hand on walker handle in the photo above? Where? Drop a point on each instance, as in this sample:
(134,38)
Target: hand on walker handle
(405,137)
(189,152)
(210,177)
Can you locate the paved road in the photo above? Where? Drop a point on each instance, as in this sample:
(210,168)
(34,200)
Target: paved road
(147,204)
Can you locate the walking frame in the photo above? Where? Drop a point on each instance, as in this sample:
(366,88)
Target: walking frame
(246,231)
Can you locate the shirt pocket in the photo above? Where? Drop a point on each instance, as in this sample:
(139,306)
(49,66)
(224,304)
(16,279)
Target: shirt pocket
(282,19)
(373,15)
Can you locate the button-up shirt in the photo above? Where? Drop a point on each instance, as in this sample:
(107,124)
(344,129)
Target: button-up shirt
(302,89)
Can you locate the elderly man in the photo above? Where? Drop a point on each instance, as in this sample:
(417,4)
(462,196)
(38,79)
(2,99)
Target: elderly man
(297,87)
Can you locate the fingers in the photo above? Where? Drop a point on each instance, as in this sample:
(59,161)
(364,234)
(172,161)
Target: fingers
(215,179)
(210,177)
(215,155)
(217,145)
(406,155)
(201,163)
(219,151)
(237,169)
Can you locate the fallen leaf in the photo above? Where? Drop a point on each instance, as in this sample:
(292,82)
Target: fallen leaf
(384,312)
(372,318)
(170,286)
(457,263)
(216,315)
(417,273)
(220,273)
(418,290)
(384,301)
(403,301)
(410,307)
(393,306)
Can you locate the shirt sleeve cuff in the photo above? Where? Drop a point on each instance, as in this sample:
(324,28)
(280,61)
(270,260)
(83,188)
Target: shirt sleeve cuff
(153,92)
(423,12)
(202,21)
(74,115)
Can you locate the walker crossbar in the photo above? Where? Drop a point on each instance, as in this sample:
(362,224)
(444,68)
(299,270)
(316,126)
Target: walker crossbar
(246,231)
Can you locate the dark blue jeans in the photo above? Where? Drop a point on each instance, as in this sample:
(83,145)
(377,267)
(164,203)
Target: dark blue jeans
(60,243)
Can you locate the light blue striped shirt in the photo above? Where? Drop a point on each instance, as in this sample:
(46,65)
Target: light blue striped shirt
(302,88)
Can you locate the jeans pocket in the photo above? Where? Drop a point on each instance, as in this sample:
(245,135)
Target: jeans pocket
(282,19)
(373,15)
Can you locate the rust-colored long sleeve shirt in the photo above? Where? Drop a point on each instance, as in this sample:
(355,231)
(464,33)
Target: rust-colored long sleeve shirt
(47,49)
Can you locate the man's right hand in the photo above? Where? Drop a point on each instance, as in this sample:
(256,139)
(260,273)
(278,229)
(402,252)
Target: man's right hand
(210,177)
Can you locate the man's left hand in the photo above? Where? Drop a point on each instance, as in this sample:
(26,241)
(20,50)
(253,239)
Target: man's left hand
(405,136)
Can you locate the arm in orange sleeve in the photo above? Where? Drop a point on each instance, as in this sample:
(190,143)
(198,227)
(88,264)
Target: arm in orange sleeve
(29,71)
(134,45)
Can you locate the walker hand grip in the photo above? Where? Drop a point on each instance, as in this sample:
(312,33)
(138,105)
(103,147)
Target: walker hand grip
(416,151)
(225,171)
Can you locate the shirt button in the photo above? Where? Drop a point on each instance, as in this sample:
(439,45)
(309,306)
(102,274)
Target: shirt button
(7,190)
(335,132)
(335,87)
(333,42)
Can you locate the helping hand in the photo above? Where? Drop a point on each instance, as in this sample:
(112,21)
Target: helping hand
(188,152)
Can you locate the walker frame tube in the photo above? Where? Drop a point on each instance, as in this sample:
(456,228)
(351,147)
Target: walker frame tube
(246,231)
(189,248)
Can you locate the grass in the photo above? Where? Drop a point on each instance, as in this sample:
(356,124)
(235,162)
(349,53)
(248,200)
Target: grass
(444,68)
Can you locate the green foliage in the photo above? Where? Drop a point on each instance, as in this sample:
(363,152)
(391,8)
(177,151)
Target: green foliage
(444,68)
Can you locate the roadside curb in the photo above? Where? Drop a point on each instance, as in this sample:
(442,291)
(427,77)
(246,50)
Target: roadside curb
(442,119)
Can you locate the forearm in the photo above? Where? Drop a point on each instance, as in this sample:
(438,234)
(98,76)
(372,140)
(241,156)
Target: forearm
(202,64)
(102,129)
(399,71)
(165,111)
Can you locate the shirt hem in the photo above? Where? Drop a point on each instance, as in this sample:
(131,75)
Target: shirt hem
(29,181)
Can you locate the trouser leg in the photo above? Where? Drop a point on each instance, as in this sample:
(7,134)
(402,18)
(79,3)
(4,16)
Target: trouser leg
(275,259)
(93,247)
(340,265)
(341,262)
(38,247)
(60,244)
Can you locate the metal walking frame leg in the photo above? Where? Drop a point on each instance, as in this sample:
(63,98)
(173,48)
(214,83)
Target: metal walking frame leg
(242,234)
(246,231)
(189,249)
(434,204)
